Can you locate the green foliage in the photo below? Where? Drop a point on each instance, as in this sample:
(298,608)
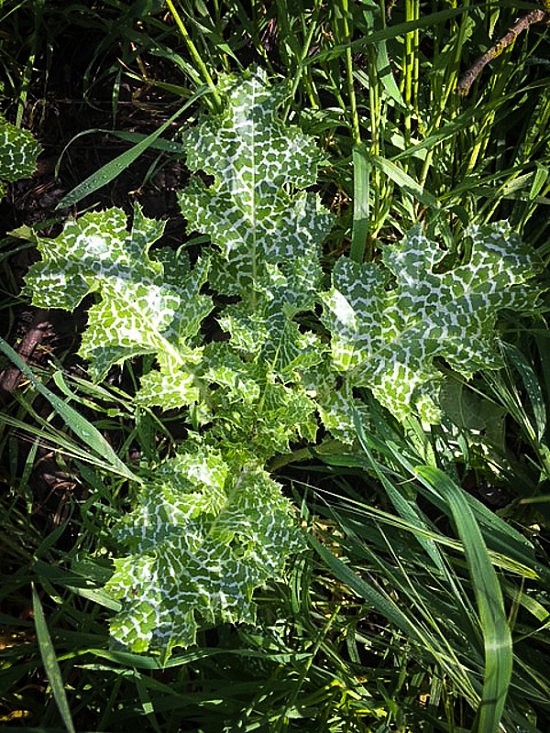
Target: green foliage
(140,311)
(400,556)
(248,389)
(209,525)
(18,153)
(329,651)
(205,534)
(390,324)
(254,210)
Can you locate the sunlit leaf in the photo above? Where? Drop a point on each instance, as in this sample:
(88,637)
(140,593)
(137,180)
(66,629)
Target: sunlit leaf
(391,322)
(202,538)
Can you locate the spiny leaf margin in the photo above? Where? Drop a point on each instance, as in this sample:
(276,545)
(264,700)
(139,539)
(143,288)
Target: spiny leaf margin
(391,321)
(203,536)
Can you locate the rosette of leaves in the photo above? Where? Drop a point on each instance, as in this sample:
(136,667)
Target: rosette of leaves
(18,153)
(267,234)
(391,322)
(214,526)
(209,525)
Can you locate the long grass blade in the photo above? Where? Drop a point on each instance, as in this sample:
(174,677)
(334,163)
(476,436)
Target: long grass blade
(380,603)
(78,424)
(361,208)
(385,74)
(497,638)
(405,181)
(498,534)
(51,665)
(532,388)
(111,170)
(406,509)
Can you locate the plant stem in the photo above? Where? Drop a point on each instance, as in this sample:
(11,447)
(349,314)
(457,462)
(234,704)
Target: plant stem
(300,70)
(349,72)
(410,64)
(194,53)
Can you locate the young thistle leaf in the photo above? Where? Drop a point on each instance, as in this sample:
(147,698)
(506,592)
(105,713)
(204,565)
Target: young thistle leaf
(253,210)
(18,153)
(204,536)
(388,339)
(147,305)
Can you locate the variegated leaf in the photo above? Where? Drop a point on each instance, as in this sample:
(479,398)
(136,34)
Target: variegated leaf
(252,209)
(18,152)
(204,536)
(387,336)
(146,305)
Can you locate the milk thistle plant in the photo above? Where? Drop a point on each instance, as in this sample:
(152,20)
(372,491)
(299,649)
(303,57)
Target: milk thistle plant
(18,153)
(210,525)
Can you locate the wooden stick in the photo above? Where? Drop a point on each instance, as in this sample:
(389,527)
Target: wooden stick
(9,378)
(465,83)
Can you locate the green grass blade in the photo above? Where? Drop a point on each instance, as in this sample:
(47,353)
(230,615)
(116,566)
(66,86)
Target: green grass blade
(494,626)
(380,603)
(385,74)
(47,652)
(532,388)
(167,146)
(404,181)
(115,167)
(361,208)
(147,705)
(387,33)
(78,424)
(498,534)
(406,509)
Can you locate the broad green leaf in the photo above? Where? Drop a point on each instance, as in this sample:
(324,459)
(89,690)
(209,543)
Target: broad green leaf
(337,404)
(254,409)
(208,526)
(469,410)
(204,536)
(390,323)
